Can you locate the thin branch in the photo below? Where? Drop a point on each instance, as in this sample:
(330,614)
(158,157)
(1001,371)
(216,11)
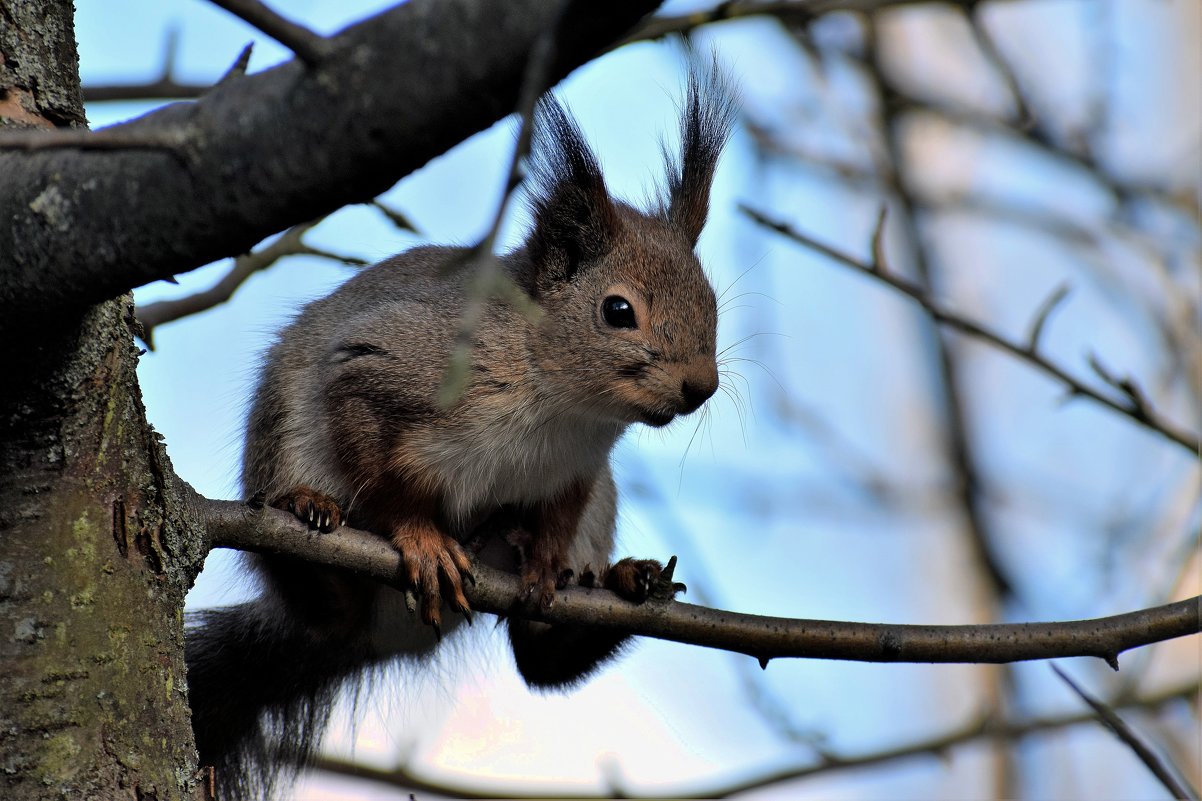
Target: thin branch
(394,216)
(1050,304)
(238,68)
(989,48)
(1133,741)
(402,776)
(985,728)
(660,27)
(289,243)
(878,238)
(490,280)
(1142,414)
(158,89)
(309,47)
(791,12)
(163,87)
(172,140)
(235,525)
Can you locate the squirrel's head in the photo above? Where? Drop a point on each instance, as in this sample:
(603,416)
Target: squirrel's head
(631,320)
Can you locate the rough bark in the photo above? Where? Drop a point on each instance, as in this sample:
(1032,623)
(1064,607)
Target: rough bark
(96,552)
(96,560)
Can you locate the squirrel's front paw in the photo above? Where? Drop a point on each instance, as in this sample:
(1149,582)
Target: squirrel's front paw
(315,509)
(433,562)
(641,579)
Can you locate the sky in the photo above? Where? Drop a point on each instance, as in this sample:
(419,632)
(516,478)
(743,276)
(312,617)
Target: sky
(762,503)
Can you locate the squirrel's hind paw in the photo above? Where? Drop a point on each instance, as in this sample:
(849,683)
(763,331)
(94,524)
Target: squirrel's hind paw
(436,567)
(638,580)
(540,581)
(315,509)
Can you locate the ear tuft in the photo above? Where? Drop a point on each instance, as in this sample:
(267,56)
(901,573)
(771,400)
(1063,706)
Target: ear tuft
(705,126)
(574,216)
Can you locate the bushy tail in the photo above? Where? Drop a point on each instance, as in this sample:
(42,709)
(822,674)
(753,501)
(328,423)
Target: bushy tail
(261,689)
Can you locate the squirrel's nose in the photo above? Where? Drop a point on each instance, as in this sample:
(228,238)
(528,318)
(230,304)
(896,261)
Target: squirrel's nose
(697,391)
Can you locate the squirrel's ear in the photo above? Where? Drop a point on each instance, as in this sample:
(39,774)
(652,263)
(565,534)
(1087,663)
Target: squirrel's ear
(704,128)
(574,216)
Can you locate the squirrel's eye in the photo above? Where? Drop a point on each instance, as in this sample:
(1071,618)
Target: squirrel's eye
(618,312)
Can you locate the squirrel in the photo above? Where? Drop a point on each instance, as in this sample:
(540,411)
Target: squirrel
(347,427)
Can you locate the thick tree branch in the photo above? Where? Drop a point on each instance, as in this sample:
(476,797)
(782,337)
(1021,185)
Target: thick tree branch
(1136,409)
(235,525)
(267,151)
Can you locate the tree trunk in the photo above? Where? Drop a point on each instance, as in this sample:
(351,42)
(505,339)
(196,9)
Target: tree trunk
(96,546)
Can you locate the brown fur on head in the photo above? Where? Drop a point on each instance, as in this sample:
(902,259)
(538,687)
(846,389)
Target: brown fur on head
(631,320)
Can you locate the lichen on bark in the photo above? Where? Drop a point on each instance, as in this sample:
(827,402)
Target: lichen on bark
(97,547)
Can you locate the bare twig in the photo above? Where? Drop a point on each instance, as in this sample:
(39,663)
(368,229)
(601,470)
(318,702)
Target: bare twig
(308,46)
(794,12)
(985,728)
(1125,384)
(158,89)
(171,140)
(239,66)
(289,243)
(490,280)
(988,47)
(165,86)
(878,239)
(395,217)
(1144,415)
(234,525)
(1124,732)
(1042,314)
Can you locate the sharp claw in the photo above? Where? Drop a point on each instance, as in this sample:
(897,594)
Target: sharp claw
(467,614)
(437,631)
(679,587)
(469,576)
(669,569)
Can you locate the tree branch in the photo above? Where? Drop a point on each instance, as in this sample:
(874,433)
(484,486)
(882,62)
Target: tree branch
(235,525)
(1137,410)
(163,87)
(1133,741)
(266,151)
(290,243)
(308,46)
(939,745)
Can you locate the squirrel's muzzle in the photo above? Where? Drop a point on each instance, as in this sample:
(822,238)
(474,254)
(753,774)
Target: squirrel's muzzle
(697,389)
